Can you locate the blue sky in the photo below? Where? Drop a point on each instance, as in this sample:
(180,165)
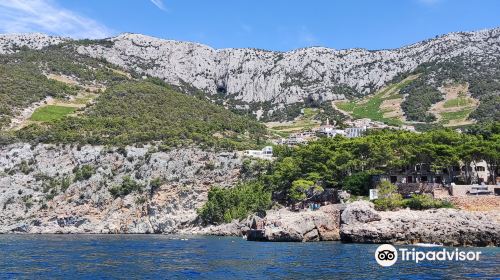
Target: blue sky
(266,24)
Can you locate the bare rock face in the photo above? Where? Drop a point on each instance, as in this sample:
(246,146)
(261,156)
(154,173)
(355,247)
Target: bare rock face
(251,75)
(40,192)
(286,226)
(360,212)
(10,43)
(447,226)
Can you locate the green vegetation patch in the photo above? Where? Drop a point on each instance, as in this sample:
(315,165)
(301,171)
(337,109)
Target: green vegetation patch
(224,205)
(51,113)
(459,115)
(389,199)
(457,102)
(369,107)
(127,187)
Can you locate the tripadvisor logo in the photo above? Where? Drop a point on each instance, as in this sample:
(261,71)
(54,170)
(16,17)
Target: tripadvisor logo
(387,255)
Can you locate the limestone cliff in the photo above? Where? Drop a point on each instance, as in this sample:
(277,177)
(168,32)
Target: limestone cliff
(44,190)
(251,75)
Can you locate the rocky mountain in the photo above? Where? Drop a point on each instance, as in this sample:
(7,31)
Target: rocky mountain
(266,81)
(252,75)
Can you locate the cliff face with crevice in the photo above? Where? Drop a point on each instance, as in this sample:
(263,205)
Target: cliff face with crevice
(57,189)
(250,75)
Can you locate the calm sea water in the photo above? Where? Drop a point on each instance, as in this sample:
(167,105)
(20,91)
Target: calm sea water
(170,257)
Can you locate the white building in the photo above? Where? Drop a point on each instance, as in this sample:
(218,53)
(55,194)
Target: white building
(353,132)
(266,153)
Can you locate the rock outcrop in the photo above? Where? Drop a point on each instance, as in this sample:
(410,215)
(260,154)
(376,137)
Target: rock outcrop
(447,226)
(40,191)
(359,222)
(10,43)
(302,226)
(360,212)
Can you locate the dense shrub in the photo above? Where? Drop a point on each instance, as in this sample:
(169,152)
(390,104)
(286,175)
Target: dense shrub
(224,205)
(419,100)
(127,187)
(388,199)
(83,173)
(421,202)
(359,183)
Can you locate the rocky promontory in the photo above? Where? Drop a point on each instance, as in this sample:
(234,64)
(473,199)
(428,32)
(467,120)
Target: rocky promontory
(450,227)
(359,222)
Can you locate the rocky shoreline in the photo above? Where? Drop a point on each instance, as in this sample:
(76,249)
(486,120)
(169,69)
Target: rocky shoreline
(44,190)
(356,222)
(359,222)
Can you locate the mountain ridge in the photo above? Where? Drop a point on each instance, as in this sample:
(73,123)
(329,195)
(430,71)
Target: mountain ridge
(264,82)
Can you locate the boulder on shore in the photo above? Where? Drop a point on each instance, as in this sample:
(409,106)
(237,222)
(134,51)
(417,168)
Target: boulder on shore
(284,225)
(360,212)
(450,227)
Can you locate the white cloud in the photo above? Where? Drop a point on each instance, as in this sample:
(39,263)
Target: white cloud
(159,4)
(18,16)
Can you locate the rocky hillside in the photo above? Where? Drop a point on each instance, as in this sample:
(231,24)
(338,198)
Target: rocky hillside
(11,43)
(93,189)
(265,81)
(56,95)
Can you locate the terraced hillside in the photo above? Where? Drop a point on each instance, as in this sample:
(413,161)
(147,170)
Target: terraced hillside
(453,93)
(304,122)
(384,106)
(456,107)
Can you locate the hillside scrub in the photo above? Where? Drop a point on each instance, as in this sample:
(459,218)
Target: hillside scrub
(482,80)
(23,76)
(141,111)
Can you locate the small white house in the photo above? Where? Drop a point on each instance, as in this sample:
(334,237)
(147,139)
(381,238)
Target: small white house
(266,153)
